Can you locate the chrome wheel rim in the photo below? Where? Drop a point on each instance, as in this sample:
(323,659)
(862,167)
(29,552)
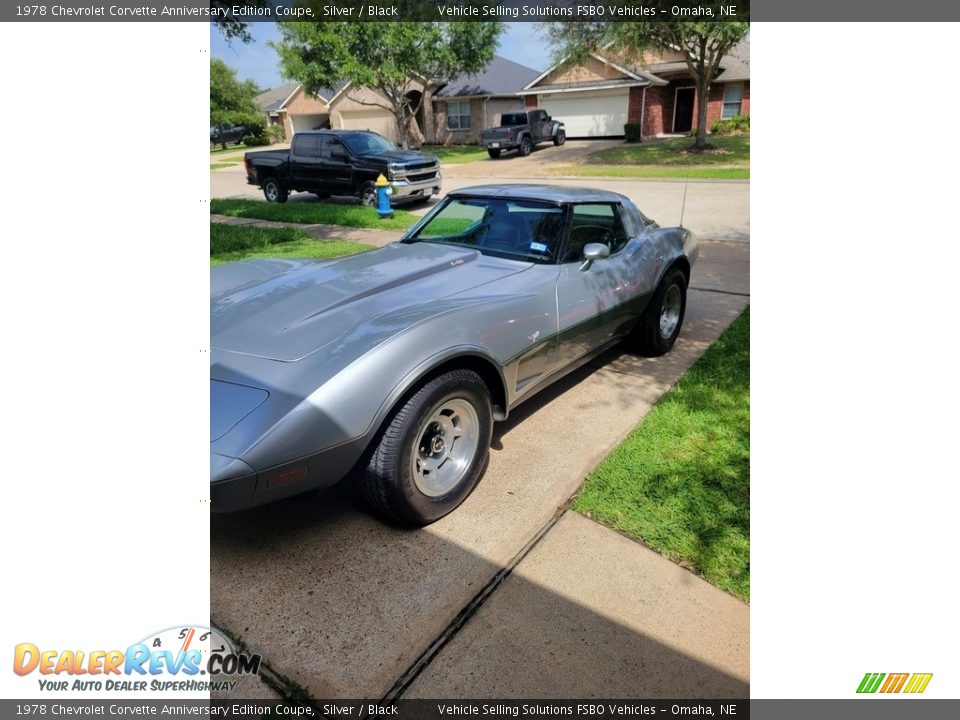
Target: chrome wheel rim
(271,190)
(369,197)
(670,312)
(446,445)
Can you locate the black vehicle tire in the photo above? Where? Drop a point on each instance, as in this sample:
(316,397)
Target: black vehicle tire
(368,195)
(526,146)
(493,152)
(560,138)
(273,191)
(322,196)
(396,485)
(660,324)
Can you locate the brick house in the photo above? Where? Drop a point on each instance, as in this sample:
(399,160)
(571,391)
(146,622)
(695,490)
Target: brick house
(597,97)
(453,112)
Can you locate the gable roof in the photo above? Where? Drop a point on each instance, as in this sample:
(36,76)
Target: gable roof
(735,65)
(273,100)
(500,77)
(633,75)
(276,99)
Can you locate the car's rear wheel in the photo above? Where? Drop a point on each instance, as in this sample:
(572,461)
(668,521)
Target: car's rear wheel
(273,191)
(493,152)
(368,195)
(432,452)
(660,325)
(526,145)
(560,138)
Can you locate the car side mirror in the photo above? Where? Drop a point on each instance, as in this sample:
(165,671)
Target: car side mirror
(593,251)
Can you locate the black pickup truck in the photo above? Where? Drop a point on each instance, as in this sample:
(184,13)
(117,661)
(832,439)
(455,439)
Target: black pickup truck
(343,162)
(522,130)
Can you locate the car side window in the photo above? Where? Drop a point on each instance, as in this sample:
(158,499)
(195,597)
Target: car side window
(595,223)
(306,145)
(331,145)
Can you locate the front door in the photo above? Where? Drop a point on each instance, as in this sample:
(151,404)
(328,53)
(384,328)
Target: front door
(683,111)
(335,167)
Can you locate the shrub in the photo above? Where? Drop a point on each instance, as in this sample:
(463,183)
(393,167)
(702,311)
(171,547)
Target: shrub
(737,123)
(254,141)
(632,132)
(276,133)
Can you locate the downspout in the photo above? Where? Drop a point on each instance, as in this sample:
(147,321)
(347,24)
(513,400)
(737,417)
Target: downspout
(643,110)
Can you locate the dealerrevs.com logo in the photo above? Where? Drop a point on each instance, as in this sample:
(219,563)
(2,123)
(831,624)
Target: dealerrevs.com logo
(189,658)
(911,683)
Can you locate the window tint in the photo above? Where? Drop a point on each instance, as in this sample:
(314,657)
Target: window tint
(516,229)
(331,144)
(594,223)
(306,145)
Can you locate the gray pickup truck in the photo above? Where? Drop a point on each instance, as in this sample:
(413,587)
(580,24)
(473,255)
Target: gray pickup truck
(522,131)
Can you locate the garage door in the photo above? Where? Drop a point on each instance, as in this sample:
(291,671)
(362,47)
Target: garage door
(309,122)
(380,121)
(601,113)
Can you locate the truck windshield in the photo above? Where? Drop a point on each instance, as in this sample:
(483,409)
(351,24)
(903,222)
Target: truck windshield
(366,143)
(524,230)
(510,119)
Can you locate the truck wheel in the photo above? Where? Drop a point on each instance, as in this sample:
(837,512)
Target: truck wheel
(560,138)
(273,191)
(432,452)
(368,195)
(525,146)
(493,152)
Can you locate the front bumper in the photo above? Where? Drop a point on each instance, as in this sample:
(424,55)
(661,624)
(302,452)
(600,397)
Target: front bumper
(409,189)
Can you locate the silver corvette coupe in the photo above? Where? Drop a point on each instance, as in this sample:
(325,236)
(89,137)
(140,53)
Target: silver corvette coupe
(391,366)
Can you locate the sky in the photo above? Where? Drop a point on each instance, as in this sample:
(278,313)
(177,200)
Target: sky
(521,43)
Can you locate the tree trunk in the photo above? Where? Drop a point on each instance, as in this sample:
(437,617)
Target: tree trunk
(703,99)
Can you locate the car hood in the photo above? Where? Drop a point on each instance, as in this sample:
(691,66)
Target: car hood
(287,310)
(402,157)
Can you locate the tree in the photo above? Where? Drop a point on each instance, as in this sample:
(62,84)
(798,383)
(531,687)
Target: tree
(232,101)
(389,57)
(703,45)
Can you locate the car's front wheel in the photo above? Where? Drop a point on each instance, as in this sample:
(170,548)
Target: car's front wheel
(432,452)
(368,195)
(273,191)
(660,324)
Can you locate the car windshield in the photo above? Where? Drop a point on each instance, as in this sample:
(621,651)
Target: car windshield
(515,229)
(366,143)
(510,119)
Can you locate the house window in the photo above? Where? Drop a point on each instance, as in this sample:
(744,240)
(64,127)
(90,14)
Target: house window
(458,115)
(732,97)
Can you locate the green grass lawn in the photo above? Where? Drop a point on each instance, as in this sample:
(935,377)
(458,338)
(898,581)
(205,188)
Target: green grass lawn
(652,171)
(231,147)
(313,212)
(456,153)
(241,242)
(728,159)
(680,482)
(223,164)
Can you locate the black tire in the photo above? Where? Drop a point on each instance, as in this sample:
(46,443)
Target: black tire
(368,195)
(273,191)
(322,196)
(560,138)
(526,146)
(493,152)
(650,337)
(391,482)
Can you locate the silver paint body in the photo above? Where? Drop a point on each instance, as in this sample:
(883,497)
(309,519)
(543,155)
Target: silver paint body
(309,357)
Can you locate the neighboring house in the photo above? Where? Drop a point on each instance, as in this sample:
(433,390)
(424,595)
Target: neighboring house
(453,112)
(596,98)
(465,106)
(288,105)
